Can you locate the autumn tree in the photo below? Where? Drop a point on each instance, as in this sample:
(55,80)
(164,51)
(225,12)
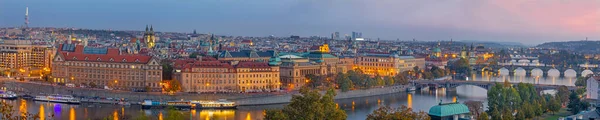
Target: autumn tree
(400,113)
(309,105)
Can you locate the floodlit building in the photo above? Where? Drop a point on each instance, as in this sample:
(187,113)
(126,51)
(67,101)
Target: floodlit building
(387,64)
(23,57)
(227,76)
(106,67)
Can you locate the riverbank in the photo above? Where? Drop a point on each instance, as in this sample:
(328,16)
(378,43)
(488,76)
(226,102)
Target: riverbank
(242,99)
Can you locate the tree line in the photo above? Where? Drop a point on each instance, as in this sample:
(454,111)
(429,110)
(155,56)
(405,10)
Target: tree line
(357,79)
(523,101)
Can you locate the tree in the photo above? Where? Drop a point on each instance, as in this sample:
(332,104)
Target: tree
(344,82)
(554,105)
(379,81)
(400,113)
(575,104)
(173,114)
(389,80)
(275,115)
(563,94)
(496,115)
(402,78)
(167,70)
(483,116)
(475,107)
(309,105)
(174,86)
(461,66)
(581,81)
(314,80)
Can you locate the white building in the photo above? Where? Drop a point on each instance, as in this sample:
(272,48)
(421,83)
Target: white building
(592,87)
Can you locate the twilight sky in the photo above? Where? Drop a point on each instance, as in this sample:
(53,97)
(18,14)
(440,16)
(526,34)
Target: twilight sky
(525,21)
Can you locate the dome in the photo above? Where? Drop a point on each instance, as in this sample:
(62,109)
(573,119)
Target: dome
(436,50)
(448,109)
(274,61)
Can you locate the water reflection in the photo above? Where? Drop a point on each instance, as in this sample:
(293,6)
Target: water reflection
(356,108)
(72,114)
(42,113)
(409,100)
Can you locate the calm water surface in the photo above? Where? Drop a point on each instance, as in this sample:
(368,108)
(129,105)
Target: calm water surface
(356,108)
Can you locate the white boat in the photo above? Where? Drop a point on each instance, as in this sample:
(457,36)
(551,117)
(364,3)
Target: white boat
(193,104)
(219,104)
(58,99)
(411,88)
(8,95)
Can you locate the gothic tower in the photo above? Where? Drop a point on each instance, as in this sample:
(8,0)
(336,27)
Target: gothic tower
(149,37)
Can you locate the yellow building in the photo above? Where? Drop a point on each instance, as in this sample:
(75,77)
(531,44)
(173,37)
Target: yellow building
(106,67)
(387,64)
(233,76)
(21,57)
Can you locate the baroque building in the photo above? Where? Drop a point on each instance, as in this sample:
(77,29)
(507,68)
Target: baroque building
(106,67)
(227,76)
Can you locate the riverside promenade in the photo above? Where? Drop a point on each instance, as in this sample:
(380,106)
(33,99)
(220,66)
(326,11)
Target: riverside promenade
(243,99)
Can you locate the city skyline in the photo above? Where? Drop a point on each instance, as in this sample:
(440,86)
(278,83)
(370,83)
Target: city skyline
(500,21)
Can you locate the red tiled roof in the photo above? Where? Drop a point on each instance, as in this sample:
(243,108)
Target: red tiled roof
(246,41)
(252,65)
(133,40)
(116,58)
(112,53)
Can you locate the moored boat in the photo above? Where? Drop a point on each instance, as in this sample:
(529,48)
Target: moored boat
(8,95)
(58,99)
(220,104)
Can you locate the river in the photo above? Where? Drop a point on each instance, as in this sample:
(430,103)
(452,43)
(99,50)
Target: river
(356,108)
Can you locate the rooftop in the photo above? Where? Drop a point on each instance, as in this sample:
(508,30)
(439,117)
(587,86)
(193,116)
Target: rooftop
(448,109)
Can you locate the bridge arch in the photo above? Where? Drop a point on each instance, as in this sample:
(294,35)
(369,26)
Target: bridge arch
(553,72)
(520,72)
(485,87)
(586,73)
(570,73)
(503,71)
(537,72)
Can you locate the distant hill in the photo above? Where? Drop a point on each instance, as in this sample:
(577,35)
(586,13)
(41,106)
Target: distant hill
(491,44)
(575,46)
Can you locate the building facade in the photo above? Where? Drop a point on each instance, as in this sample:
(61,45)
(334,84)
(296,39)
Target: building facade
(227,76)
(592,87)
(105,67)
(386,64)
(295,68)
(23,57)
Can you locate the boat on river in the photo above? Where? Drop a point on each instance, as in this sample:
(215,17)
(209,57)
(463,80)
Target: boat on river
(190,104)
(8,95)
(58,99)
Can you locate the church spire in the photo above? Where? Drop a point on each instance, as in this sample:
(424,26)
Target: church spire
(151,29)
(146,28)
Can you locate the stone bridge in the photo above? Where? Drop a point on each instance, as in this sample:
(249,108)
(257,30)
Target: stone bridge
(551,71)
(451,84)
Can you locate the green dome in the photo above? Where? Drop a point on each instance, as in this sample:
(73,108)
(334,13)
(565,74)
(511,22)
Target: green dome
(274,60)
(437,50)
(448,109)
